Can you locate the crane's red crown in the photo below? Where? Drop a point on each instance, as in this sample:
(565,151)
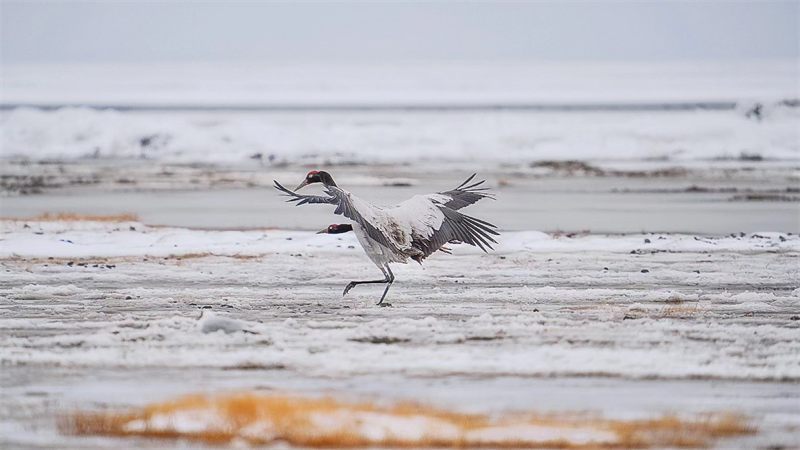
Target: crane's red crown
(317,177)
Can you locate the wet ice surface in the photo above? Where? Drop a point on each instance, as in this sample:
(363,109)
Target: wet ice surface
(697,198)
(612,324)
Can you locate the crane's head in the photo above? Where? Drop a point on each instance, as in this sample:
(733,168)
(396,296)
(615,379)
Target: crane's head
(317,177)
(337,229)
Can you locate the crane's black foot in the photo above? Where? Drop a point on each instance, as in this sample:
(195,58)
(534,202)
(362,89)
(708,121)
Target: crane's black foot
(385,305)
(350,285)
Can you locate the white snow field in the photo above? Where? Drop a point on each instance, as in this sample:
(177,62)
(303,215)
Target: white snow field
(380,137)
(405,112)
(668,282)
(109,314)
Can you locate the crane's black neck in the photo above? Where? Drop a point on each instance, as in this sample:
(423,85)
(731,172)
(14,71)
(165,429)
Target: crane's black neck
(326,178)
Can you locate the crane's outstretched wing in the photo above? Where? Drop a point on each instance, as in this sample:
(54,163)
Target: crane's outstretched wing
(301,199)
(346,206)
(464,195)
(456,227)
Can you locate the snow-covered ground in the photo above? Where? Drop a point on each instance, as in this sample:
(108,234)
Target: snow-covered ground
(121,308)
(372,137)
(469,112)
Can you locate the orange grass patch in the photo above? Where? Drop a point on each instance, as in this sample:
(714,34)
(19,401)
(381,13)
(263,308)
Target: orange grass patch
(328,423)
(72,217)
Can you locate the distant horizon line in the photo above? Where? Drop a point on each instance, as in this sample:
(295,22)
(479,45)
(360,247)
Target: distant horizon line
(787,59)
(421,107)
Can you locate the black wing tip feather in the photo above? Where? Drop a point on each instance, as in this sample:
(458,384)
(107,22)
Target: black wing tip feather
(469,230)
(467,181)
(287,193)
(299,198)
(467,194)
(473,186)
(463,186)
(280,187)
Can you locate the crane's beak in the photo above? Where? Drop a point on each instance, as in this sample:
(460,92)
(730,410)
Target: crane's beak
(325,231)
(302,185)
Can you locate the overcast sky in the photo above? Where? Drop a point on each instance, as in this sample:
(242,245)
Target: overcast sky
(151,31)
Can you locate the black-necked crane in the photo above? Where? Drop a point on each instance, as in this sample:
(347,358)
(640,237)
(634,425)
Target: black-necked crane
(415,228)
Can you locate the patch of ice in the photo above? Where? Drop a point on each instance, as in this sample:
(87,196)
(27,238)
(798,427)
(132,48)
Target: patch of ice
(160,242)
(36,291)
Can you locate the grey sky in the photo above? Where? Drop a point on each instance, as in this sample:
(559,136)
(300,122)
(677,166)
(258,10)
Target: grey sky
(154,31)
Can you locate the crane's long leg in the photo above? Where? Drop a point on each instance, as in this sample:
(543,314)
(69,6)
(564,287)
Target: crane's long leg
(389,279)
(353,284)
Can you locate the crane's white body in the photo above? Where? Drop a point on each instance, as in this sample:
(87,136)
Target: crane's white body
(417,216)
(376,252)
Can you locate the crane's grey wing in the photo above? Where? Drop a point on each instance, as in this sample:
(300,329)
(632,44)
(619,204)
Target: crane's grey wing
(459,227)
(360,212)
(301,199)
(344,206)
(464,195)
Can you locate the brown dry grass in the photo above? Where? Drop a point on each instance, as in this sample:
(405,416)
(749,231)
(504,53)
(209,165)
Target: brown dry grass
(72,217)
(671,431)
(290,421)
